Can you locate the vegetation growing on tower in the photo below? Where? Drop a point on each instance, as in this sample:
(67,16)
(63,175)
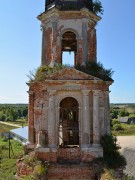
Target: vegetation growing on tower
(91,68)
(97,7)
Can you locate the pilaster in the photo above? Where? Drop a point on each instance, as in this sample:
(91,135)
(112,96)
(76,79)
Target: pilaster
(51,119)
(43,55)
(85,120)
(54,45)
(107,112)
(31,133)
(96,119)
(84,43)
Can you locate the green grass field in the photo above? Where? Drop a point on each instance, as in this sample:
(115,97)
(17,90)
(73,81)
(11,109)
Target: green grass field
(128,130)
(21,122)
(8,166)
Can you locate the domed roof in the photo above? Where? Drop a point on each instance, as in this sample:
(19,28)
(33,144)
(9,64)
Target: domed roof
(67,5)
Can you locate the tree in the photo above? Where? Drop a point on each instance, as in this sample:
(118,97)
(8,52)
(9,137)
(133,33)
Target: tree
(2,117)
(123,113)
(114,113)
(13,114)
(25,112)
(112,156)
(9,118)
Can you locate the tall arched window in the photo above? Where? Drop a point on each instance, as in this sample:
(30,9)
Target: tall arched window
(68,123)
(69,48)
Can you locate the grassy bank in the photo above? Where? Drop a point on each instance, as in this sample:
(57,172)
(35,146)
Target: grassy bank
(21,122)
(8,166)
(128,130)
(5,128)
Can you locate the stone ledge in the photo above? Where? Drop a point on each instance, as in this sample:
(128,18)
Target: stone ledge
(94,151)
(41,149)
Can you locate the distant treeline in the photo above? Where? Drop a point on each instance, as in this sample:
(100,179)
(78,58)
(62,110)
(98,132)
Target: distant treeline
(122,110)
(12,112)
(122,104)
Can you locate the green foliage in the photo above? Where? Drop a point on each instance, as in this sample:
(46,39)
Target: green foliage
(132,115)
(115,121)
(8,166)
(13,112)
(38,167)
(39,170)
(92,68)
(123,113)
(97,70)
(117,127)
(97,7)
(2,117)
(128,177)
(126,131)
(114,113)
(112,157)
(43,71)
(31,160)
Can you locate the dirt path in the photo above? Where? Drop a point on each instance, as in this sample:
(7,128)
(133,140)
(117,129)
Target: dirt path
(10,124)
(127,144)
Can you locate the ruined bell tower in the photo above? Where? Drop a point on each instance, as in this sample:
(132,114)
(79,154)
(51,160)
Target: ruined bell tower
(64,30)
(68,107)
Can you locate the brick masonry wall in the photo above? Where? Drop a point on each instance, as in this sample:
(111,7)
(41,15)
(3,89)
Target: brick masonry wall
(73,172)
(38,107)
(68,21)
(62,171)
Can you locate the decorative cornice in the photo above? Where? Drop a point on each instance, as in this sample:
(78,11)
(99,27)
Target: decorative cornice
(56,13)
(90,14)
(53,12)
(51,92)
(96,92)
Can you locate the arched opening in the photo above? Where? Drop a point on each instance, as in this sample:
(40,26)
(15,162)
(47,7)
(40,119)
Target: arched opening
(69,44)
(68,123)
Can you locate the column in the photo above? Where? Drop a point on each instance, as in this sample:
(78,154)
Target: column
(51,119)
(85,120)
(107,112)
(102,112)
(31,133)
(96,119)
(57,125)
(43,59)
(54,44)
(84,43)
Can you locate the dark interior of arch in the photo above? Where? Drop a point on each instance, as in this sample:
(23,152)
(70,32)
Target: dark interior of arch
(69,41)
(68,123)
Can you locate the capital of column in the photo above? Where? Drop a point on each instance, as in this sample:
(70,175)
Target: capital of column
(51,92)
(106,92)
(96,92)
(85,92)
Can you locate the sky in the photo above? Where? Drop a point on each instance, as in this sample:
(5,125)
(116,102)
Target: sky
(20,47)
